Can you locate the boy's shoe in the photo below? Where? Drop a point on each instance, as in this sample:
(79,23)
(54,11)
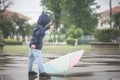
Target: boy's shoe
(44,74)
(32,73)
(32,77)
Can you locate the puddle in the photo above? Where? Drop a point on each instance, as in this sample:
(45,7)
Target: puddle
(90,67)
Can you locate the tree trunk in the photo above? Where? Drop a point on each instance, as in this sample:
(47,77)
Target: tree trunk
(76,42)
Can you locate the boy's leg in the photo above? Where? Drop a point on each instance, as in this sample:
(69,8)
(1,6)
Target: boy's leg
(38,56)
(30,61)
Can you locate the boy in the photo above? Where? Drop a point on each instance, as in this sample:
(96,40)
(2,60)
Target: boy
(36,44)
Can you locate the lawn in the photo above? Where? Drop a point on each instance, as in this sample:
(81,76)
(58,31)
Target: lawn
(60,49)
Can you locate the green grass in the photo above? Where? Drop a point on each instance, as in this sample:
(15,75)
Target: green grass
(46,49)
(64,49)
(16,49)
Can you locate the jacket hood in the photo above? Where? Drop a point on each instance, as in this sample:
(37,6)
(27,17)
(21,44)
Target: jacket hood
(43,20)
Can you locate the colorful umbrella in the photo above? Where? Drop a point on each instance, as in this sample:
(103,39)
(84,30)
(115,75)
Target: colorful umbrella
(63,63)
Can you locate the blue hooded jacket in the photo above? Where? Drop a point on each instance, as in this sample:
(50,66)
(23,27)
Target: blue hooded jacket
(39,31)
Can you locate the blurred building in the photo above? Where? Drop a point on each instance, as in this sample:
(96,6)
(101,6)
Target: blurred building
(8,14)
(104,17)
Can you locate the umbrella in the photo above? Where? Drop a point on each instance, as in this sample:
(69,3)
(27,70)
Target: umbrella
(63,63)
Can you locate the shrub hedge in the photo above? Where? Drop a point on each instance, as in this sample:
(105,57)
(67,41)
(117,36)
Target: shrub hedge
(12,42)
(107,35)
(70,41)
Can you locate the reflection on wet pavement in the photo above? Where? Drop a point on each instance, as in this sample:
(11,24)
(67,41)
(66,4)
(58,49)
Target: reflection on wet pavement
(32,77)
(4,77)
(91,67)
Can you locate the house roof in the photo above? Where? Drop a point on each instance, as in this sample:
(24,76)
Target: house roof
(114,11)
(10,13)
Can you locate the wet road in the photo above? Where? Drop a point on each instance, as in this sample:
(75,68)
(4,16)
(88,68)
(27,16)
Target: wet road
(91,67)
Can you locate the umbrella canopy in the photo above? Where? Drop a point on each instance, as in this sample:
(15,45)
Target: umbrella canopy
(63,63)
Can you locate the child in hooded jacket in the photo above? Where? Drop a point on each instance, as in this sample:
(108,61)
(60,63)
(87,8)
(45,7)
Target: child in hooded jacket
(36,44)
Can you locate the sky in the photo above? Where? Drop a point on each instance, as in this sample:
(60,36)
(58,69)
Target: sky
(30,8)
(33,8)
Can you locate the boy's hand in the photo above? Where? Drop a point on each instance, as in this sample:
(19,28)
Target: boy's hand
(50,22)
(33,46)
(51,28)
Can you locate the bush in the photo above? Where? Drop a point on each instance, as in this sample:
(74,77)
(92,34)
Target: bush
(70,41)
(61,39)
(107,35)
(74,32)
(1,37)
(12,42)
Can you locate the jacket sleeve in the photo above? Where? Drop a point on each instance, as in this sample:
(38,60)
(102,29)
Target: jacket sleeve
(35,35)
(37,32)
(46,28)
(40,31)
(34,40)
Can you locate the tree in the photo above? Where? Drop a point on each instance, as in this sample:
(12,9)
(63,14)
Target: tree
(22,27)
(116,19)
(5,24)
(7,27)
(4,4)
(110,4)
(80,14)
(13,25)
(74,33)
(54,7)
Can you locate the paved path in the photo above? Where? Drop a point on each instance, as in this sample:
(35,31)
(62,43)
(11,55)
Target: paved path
(91,67)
